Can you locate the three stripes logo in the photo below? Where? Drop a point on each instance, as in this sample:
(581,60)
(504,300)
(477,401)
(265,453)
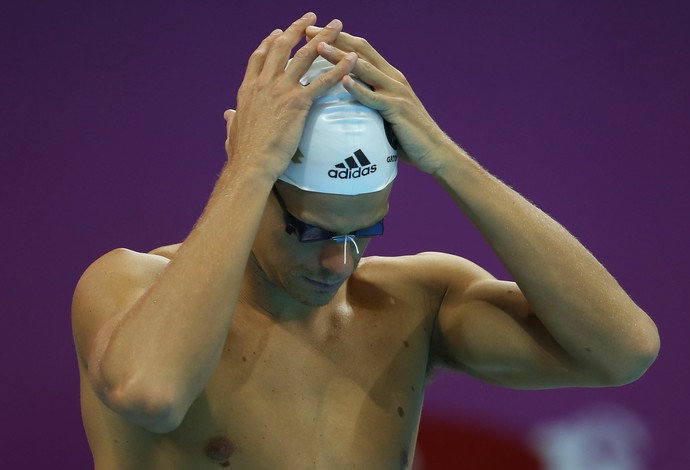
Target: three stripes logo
(353,167)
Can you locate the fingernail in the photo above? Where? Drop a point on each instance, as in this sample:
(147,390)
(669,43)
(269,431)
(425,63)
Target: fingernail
(351,56)
(276,32)
(333,24)
(308,15)
(326,47)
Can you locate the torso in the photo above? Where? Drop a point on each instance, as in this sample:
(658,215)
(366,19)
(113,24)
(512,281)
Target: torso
(342,391)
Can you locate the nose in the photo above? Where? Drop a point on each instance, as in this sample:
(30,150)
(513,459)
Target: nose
(338,257)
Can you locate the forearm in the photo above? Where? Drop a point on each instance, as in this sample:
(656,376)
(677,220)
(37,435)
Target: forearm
(176,331)
(573,295)
(576,299)
(170,341)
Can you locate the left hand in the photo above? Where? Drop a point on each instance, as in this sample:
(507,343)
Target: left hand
(421,139)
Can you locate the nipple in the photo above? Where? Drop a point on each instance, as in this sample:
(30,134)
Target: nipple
(344,239)
(220,449)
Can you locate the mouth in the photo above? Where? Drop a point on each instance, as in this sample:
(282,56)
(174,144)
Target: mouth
(324,286)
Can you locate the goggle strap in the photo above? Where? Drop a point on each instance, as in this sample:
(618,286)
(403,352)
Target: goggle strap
(344,239)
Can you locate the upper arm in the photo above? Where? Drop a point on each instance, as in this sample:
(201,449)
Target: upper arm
(104,294)
(485,328)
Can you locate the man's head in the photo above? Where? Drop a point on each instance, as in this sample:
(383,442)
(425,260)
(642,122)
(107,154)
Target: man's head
(346,148)
(330,200)
(292,249)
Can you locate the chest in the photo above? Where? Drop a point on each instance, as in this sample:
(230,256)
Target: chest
(350,388)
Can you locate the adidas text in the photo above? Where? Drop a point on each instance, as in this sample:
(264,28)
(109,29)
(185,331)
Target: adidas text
(348,173)
(353,166)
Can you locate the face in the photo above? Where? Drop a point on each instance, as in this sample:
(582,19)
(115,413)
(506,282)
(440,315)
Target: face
(311,272)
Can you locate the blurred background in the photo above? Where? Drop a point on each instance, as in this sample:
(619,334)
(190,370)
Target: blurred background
(112,135)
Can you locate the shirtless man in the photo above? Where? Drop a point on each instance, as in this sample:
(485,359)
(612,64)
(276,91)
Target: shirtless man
(245,347)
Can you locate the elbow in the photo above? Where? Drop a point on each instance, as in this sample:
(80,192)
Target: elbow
(637,360)
(154,407)
(140,396)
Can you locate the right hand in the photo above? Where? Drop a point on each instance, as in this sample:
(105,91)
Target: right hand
(422,142)
(272,105)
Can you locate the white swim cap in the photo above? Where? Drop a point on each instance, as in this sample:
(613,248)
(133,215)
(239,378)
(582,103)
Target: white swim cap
(346,147)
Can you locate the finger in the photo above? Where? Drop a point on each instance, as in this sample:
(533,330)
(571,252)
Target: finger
(281,46)
(256,60)
(363,69)
(312,31)
(305,55)
(365,95)
(325,81)
(349,43)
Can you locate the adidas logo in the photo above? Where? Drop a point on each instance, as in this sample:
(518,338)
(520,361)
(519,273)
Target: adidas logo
(353,167)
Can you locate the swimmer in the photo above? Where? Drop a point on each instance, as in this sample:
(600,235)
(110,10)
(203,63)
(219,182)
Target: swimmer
(268,340)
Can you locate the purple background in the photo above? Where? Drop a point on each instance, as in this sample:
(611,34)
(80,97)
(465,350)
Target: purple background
(112,135)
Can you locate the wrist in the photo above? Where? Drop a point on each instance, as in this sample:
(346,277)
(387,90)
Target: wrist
(247,174)
(264,165)
(450,160)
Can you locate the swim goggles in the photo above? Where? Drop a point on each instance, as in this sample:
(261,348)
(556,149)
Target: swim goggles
(310,233)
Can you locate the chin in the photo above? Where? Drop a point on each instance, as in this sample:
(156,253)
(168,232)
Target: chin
(311,297)
(314,300)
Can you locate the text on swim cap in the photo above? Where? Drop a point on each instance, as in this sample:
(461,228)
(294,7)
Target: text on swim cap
(354,167)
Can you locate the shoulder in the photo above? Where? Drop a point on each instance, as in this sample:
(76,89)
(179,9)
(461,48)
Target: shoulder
(120,268)
(428,273)
(427,268)
(108,287)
